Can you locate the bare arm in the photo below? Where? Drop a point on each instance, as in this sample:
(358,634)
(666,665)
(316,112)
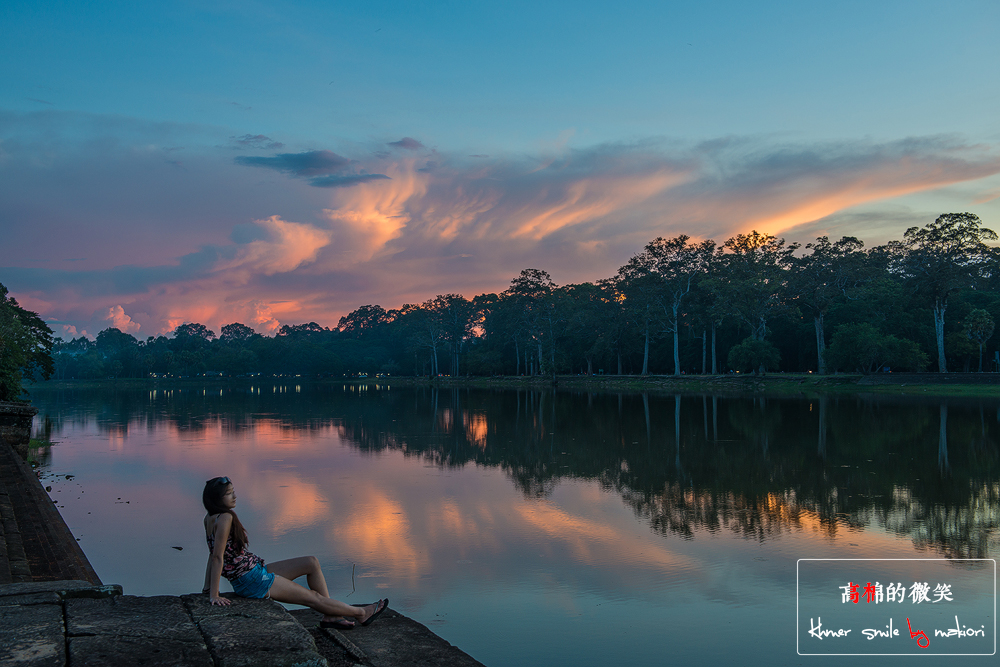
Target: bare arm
(208,568)
(214,572)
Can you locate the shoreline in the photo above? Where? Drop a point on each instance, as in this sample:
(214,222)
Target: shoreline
(981,385)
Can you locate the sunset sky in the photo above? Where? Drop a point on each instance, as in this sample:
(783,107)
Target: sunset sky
(284,162)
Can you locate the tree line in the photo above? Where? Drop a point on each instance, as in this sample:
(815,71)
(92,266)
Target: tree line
(754,303)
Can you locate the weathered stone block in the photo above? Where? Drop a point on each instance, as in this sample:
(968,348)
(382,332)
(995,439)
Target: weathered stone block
(32,636)
(15,425)
(253,633)
(92,592)
(30,598)
(395,640)
(161,617)
(44,586)
(105,651)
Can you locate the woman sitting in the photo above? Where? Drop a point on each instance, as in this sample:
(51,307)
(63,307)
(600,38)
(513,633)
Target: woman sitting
(229,558)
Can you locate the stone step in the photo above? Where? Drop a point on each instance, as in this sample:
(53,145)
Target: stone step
(38,544)
(13,561)
(73,623)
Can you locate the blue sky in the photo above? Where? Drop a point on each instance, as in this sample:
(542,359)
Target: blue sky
(275,163)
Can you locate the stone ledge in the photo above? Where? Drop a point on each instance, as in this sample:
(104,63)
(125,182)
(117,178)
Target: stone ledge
(53,592)
(251,633)
(33,636)
(15,425)
(394,640)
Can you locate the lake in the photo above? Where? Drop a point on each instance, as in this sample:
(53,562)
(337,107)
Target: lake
(541,527)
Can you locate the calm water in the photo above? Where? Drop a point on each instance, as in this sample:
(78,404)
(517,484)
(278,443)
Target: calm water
(540,527)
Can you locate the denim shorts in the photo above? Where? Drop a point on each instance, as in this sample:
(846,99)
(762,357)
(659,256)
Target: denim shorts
(254,584)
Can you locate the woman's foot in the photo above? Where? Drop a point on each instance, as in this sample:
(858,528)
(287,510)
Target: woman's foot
(372,611)
(337,622)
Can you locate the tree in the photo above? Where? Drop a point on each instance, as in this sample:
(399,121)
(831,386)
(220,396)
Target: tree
(428,328)
(363,320)
(640,288)
(822,278)
(25,347)
(120,352)
(978,327)
(449,319)
(301,330)
(947,255)
(457,315)
(485,355)
(615,325)
(583,309)
(194,330)
(753,354)
(862,347)
(752,278)
(236,334)
(673,265)
(531,293)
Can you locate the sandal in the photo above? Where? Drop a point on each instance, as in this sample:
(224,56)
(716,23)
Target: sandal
(380,606)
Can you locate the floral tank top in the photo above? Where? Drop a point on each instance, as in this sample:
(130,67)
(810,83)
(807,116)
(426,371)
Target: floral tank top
(234,564)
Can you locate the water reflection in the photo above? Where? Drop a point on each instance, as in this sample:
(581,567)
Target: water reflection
(753,466)
(564,501)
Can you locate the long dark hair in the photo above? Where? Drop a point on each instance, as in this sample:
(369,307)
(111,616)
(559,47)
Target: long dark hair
(211,498)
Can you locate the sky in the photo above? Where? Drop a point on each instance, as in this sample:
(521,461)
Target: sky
(277,163)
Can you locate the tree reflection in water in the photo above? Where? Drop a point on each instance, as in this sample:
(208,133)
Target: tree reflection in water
(753,465)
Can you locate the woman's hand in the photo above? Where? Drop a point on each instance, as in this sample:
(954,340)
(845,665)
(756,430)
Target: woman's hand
(221,601)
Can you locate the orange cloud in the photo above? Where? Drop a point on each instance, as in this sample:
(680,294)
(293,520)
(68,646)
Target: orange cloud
(289,245)
(592,199)
(370,214)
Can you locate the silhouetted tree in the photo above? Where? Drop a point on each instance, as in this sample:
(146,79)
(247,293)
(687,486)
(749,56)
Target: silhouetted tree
(25,347)
(821,278)
(944,256)
(978,327)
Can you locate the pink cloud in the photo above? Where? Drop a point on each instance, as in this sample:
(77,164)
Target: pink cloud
(119,320)
(469,225)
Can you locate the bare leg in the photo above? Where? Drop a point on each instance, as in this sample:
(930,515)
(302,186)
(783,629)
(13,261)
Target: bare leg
(285,590)
(307,566)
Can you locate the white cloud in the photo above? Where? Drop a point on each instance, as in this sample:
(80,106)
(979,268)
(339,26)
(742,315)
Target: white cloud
(119,320)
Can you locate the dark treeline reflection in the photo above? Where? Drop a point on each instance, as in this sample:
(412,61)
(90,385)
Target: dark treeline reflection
(925,468)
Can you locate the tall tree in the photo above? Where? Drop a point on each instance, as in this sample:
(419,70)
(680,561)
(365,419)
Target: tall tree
(362,320)
(753,278)
(615,324)
(453,313)
(677,264)
(663,274)
(532,293)
(582,308)
(121,352)
(821,278)
(641,289)
(946,255)
(25,347)
(979,328)
(430,330)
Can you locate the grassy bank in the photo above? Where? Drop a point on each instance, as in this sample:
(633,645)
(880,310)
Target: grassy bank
(974,385)
(777,384)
